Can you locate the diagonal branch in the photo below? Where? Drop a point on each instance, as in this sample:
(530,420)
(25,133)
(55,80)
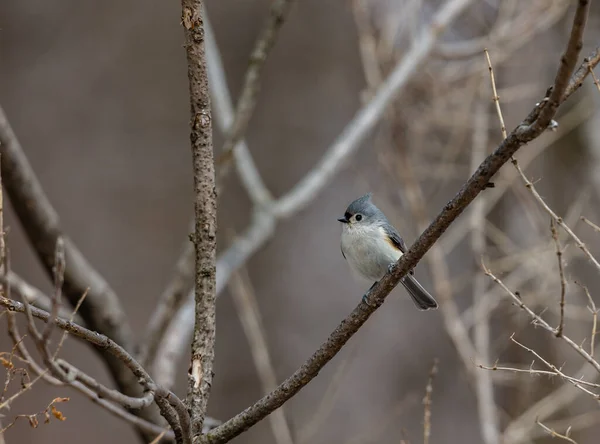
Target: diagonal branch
(102,311)
(376,296)
(205,209)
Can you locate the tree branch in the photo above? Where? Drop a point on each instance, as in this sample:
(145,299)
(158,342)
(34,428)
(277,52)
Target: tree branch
(106,344)
(205,208)
(102,310)
(376,296)
(247,100)
(169,303)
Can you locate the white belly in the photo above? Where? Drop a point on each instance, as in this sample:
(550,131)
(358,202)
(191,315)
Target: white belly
(367,252)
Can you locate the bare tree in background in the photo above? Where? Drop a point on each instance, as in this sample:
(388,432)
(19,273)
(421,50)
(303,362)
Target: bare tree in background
(434,98)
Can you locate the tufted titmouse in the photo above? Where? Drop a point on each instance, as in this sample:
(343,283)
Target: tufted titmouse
(371,245)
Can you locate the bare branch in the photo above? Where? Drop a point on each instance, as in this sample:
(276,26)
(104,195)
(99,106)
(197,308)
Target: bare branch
(34,296)
(563,282)
(541,322)
(103,311)
(364,121)
(59,277)
(541,117)
(594,312)
(495,98)
(104,343)
(170,301)
(559,220)
(591,224)
(486,404)
(556,434)
(205,210)
(224,116)
(249,314)
(247,100)
(427,403)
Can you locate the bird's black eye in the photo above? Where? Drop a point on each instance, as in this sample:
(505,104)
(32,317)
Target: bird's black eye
(358,217)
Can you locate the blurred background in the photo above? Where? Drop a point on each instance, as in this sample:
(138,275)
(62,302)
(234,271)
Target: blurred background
(97,93)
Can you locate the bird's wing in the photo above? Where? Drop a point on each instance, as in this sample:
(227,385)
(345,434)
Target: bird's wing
(394,238)
(342,252)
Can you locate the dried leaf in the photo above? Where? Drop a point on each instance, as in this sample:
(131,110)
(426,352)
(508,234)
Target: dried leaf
(6,363)
(33,421)
(58,414)
(55,412)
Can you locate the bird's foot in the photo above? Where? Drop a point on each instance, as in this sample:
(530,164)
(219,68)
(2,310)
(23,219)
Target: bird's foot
(365,297)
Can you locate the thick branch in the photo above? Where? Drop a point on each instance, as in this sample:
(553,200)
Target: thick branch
(102,310)
(376,296)
(205,207)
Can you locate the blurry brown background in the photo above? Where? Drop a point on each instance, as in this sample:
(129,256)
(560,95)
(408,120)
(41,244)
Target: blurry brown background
(97,94)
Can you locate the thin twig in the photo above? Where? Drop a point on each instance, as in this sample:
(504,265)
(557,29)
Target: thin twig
(594,78)
(103,343)
(427,403)
(247,101)
(563,282)
(73,314)
(170,301)
(594,311)
(591,224)
(249,314)
(559,220)
(59,277)
(495,98)
(580,384)
(35,296)
(486,404)
(556,434)
(541,322)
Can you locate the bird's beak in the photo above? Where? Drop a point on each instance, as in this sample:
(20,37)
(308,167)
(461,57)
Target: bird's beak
(343,220)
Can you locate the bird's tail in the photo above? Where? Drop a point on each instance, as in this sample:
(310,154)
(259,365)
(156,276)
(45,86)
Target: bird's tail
(422,299)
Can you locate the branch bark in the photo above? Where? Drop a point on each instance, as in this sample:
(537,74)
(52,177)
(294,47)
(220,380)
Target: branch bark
(205,208)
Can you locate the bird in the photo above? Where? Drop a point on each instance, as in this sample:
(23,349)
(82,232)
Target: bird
(371,245)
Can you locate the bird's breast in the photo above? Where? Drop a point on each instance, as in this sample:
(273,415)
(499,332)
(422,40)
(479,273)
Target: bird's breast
(368,252)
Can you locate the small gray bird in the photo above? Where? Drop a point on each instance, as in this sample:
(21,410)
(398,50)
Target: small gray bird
(371,245)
